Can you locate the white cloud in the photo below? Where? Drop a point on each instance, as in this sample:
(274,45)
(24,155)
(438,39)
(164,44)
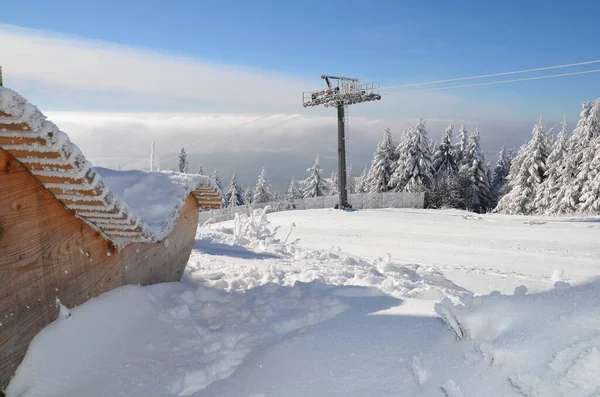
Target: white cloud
(80,64)
(72,73)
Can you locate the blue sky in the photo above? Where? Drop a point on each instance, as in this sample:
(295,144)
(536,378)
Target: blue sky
(251,58)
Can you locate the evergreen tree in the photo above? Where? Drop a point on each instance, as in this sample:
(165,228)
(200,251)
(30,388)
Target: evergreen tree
(413,170)
(444,189)
(461,146)
(200,170)
(350,181)
(333,183)
(314,185)
(547,192)
(293,193)
(527,172)
(234,196)
(381,167)
(248,195)
(574,173)
(498,179)
(474,183)
(183,163)
(262,190)
(215,177)
(362,181)
(444,158)
(589,199)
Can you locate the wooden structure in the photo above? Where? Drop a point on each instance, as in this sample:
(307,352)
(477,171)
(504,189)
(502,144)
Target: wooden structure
(64,234)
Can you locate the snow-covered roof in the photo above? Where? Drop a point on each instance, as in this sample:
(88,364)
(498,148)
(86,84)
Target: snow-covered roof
(126,206)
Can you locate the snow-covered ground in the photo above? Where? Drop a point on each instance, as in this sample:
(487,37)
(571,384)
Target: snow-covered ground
(347,305)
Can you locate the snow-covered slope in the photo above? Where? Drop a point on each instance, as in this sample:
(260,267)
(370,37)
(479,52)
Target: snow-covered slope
(328,312)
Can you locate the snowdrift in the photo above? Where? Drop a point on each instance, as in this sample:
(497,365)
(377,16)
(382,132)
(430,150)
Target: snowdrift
(544,344)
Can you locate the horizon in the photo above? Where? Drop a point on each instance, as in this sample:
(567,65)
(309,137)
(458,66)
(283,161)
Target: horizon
(200,83)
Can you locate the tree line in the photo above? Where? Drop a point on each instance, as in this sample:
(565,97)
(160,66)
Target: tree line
(550,174)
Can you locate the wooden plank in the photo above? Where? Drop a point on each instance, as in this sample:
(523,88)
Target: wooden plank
(97,191)
(67,178)
(90,200)
(21,140)
(24,153)
(15,127)
(46,252)
(49,167)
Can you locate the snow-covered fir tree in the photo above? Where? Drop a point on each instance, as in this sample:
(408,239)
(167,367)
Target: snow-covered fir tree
(262,190)
(547,192)
(361,182)
(461,146)
(235,195)
(444,189)
(350,181)
(381,169)
(413,168)
(527,172)
(333,183)
(589,198)
(573,174)
(200,170)
(215,177)
(499,175)
(248,195)
(183,163)
(314,185)
(444,157)
(474,183)
(293,193)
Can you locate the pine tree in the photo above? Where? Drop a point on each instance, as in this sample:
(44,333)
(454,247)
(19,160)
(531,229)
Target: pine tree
(350,181)
(461,146)
(589,199)
(574,172)
(527,172)
(333,184)
(234,196)
(381,167)
(183,163)
(413,171)
(547,192)
(362,181)
(498,178)
(444,158)
(293,193)
(215,177)
(474,183)
(248,195)
(314,185)
(200,170)
(262,190)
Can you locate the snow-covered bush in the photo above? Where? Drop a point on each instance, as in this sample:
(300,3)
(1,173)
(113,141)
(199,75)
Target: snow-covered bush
(252,228)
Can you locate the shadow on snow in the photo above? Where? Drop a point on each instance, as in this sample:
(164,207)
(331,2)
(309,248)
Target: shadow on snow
(235,251)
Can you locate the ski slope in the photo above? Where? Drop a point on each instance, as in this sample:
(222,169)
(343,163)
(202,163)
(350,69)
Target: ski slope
(363,303)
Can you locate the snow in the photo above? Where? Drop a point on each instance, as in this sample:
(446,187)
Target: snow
(357,303)
(156,197)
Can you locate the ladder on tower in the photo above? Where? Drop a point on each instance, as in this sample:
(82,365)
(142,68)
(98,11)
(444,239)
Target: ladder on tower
(346,137)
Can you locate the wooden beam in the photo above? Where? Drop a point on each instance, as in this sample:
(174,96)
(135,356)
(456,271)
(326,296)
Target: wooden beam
(22,140)
(14,127)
